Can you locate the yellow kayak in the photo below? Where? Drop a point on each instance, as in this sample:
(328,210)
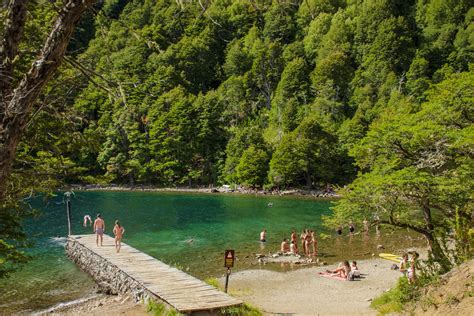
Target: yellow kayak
(391,257)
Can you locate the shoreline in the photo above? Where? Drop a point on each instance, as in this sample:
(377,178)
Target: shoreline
(314,193)
(300,291)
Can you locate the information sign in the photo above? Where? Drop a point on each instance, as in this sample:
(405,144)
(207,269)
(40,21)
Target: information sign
(229,258)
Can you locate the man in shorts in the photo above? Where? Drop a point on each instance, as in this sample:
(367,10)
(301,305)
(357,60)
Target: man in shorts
(99,228)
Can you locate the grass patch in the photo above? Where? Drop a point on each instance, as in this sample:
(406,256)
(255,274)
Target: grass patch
(212,281)
(160,309)
(394,300)
(241,310)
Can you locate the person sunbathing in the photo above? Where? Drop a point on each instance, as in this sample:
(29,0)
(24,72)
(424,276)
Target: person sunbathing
(342,270)
(355,270)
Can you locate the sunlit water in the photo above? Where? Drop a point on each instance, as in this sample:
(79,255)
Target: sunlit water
(159,224)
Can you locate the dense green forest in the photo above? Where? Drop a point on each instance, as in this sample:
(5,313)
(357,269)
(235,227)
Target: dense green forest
(258,93)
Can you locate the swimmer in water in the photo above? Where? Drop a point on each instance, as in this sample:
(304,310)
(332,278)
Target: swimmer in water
(87,218)
(190,240)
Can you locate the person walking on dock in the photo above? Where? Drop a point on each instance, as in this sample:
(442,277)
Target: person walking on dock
(99,229)
(118,232)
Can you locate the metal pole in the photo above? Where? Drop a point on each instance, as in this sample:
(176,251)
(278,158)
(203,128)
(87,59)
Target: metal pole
(227,279)
(68,209)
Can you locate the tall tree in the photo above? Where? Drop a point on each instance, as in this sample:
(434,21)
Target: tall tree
(17,97)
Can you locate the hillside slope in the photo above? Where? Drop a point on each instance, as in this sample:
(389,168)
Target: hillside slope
(453,295)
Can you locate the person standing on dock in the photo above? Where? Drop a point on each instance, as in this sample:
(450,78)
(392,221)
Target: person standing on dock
(99,229)
(118,232)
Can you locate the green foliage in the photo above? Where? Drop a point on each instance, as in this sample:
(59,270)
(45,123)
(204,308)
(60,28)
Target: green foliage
(416,166)
(241,310)
(161,309)
(252,168)
(212,281)
(178,86)
(394,300)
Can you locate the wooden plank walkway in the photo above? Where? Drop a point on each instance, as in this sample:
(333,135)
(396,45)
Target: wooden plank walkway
(177,288)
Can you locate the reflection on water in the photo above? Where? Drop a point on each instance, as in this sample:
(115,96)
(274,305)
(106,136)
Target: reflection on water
(187,230)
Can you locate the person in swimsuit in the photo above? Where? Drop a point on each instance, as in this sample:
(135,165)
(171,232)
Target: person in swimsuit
(355,270)
(351,228)
(293,237)
(308,243)
(343,269)
(303,240)
(263,235)
(118,232)
(284,248)
(87,218)
(294,247)
(403,265)
(99,229)
(366,226)
(412,269)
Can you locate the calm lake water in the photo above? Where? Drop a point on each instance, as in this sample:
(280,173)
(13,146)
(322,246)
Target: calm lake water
(159,224)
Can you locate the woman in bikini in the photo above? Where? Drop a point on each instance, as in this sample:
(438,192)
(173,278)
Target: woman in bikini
(343,269)
(303,241)
(118,232)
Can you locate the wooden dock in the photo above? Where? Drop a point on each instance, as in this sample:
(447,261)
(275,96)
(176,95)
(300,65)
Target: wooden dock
(182,291)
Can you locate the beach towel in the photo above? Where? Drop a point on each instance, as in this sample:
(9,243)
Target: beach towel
(331,276)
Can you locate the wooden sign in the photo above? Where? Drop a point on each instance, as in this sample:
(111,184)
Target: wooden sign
(229,258)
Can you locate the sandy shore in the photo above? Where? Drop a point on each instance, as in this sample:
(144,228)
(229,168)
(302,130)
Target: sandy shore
(300,291)
(99,305)
(303,291)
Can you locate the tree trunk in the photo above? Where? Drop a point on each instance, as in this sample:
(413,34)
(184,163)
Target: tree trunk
(437,253)
(15,107)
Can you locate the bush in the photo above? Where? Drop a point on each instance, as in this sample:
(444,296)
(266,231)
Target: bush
(395,299)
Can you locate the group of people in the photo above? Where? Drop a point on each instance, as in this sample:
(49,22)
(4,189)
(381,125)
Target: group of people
(366,226)
(309,243)
(99,229)
(408,267)
(351,227)
(346,270)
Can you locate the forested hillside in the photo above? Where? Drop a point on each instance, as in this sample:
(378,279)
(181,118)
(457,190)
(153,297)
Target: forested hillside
(258,93)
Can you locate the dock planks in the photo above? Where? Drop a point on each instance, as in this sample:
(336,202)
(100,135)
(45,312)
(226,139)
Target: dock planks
(184,292)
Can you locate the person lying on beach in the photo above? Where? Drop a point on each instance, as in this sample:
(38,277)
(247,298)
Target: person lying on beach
(285,248)
(343,269)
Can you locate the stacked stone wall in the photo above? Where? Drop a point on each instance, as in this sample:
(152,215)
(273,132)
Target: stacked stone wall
(109,278)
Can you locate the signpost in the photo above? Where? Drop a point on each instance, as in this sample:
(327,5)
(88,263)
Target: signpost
(68,210)
(229,258)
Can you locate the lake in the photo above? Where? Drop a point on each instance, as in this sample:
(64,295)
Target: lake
(159,223)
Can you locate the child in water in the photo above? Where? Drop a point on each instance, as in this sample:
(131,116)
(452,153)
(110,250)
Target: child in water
(118,232)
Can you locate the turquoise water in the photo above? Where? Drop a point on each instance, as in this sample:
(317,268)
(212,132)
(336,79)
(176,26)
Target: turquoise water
(159,224)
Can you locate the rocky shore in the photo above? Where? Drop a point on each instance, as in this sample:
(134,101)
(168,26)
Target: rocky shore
(321,193)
